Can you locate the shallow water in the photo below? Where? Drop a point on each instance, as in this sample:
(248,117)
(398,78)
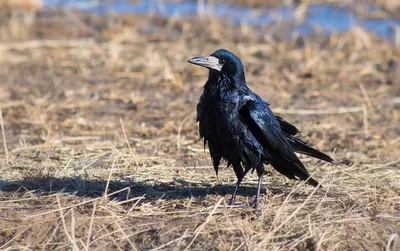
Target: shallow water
(326,17)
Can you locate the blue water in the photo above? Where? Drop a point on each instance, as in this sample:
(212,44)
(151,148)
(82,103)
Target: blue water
(326,17)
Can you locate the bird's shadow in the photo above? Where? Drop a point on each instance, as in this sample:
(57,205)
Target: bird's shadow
(123,189)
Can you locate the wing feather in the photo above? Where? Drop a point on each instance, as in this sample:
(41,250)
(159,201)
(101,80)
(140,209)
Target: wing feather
(263,124)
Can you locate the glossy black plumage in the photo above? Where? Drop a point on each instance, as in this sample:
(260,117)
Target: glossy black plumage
(240,127)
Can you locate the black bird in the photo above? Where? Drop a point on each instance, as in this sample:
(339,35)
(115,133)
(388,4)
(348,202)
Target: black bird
(240,127)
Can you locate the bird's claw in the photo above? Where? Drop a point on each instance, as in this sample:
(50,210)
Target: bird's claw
(254,204)
(232,203)
(238,205)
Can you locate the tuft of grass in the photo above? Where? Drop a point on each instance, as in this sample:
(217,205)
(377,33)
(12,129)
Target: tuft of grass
(104,154)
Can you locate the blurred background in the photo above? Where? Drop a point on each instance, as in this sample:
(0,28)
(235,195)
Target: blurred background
(98,105)
(89,63)
(304,17)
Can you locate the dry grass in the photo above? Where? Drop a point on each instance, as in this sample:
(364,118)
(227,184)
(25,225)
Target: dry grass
(384,7)
(101,150)
(27,5)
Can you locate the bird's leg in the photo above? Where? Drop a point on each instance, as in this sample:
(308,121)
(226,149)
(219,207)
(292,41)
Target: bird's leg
(255,203)
(232,201)
(260,173)
(240,178)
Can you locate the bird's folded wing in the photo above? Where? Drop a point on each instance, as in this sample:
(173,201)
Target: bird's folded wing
(286,126)
(299,145)
(261,121)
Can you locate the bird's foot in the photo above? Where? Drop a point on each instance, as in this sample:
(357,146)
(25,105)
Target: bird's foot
(243,205)
(254,204)
(232,203)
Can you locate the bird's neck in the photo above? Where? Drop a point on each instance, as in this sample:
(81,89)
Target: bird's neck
(221,80)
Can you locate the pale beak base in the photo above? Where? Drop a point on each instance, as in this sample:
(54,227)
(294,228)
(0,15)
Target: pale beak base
(209,62)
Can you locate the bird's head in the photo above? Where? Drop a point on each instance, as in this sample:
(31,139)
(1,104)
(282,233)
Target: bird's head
(221,62)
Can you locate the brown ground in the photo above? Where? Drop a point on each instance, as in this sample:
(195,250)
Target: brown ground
(103,150)
(363,8)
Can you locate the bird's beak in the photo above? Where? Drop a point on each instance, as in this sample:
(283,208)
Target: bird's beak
(209,62)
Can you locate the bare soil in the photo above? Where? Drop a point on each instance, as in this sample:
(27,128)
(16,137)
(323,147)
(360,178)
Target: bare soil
(100,149)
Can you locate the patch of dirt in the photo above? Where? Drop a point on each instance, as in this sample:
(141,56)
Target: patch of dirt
(103,150)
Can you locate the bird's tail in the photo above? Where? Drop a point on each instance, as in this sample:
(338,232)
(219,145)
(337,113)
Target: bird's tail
(293,169)
(312,182)
(304,148)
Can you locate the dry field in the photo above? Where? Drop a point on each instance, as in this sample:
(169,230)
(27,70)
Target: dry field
(100,151)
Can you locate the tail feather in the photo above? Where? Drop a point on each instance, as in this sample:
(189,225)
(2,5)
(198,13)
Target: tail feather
(293,169)
(313,182)
(304,148)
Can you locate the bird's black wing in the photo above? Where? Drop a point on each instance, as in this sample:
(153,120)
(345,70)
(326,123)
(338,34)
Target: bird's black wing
(286,126)
(299,145)
(262,123)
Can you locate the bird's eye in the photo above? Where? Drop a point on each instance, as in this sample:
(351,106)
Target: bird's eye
(222,61)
